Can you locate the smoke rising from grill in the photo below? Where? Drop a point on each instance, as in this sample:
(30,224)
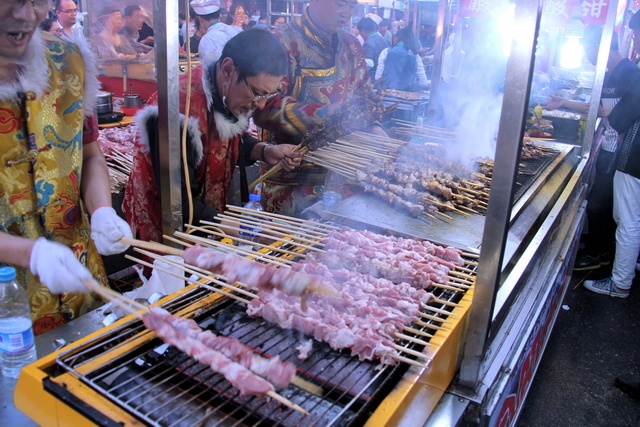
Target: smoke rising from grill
(470,99)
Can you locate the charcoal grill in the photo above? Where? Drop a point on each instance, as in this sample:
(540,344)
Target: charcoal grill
(124,374)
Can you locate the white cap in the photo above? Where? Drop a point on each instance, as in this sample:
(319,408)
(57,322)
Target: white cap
(376,18)
(205,7)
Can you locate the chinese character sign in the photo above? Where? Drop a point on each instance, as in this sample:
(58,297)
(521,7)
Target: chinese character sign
(479,8)
(558,12)
(594,12)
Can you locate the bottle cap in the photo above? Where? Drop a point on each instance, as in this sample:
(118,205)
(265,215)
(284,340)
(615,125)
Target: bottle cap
(254,197)
(7,274)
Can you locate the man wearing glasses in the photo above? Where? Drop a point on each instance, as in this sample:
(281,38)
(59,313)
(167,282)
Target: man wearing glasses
(224,95)
(67,14)
(53,174)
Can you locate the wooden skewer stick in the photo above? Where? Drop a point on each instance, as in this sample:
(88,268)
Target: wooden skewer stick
(178,241)
(467,209)
(455,282)
(444,302)
(447,287)
(433,318)
(275,169)
(304,224)
(286,402)
(411,352)
(440,311)
(429,215)
(239,239)
(188,279)
(418,332)
(284,230)
(268,232)
(297,381)
(444,215)
(429,325)
(411,339)
(200,273)
(406,360)
(208,243)
(152,246)
(462,275)
(131,306)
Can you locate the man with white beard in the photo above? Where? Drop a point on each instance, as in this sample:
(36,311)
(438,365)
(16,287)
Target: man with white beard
(53,173)
(224,95)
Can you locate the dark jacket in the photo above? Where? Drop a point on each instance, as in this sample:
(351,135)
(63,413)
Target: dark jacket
(400,69)
(374,44)
(625,117)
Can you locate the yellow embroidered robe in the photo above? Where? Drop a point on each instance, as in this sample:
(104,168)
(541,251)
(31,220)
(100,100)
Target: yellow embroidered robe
(40,175)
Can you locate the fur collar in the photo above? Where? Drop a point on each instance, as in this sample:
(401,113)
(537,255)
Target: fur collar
(193,129)
(228,129)
(91,83)
(227,125)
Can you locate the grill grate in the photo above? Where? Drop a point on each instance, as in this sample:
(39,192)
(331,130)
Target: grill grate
(163,387)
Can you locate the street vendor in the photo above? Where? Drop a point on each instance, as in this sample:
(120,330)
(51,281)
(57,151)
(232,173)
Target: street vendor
(53,175)
(224,94)
(327,68)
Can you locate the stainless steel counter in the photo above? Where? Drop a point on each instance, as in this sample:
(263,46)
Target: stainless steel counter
(45,344)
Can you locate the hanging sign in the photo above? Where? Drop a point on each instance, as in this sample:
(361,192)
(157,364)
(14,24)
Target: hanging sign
(478,8)
(594,12)
(558,12)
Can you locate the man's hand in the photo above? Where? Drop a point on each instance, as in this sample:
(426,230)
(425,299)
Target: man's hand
(57,267)
(107,228)
(283,155)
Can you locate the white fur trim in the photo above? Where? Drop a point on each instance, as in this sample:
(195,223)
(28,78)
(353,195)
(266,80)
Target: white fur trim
(140,120)
(228,129)
(91,83)
(193,128)
(33,74)
(206,86)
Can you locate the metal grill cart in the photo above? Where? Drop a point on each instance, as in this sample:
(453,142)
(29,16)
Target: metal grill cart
(492,326)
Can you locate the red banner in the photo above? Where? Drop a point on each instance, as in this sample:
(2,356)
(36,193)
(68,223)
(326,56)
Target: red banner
(594,12)
(558,12)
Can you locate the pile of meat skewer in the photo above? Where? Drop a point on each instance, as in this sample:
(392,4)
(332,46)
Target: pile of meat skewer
(379,292)
(421,180)
(117,146)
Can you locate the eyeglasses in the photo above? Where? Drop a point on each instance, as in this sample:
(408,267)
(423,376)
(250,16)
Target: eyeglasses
(74,11)
(39,5)
(257,98)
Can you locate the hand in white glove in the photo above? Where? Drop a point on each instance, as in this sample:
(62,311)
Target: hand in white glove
(57,267)
(107,228)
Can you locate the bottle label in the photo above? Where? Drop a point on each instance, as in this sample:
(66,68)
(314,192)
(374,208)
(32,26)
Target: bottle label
(16,343)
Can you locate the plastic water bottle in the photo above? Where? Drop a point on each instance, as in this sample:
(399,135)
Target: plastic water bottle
(332,192)
(17,346)
(250,232)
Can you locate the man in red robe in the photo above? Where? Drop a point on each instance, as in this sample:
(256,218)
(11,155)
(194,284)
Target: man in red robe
(326,68)
(224,94)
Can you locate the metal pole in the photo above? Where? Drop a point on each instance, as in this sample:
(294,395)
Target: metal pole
(514,110)
(167,66)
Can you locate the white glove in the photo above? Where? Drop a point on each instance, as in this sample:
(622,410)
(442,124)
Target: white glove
(107,228)
(57,267)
